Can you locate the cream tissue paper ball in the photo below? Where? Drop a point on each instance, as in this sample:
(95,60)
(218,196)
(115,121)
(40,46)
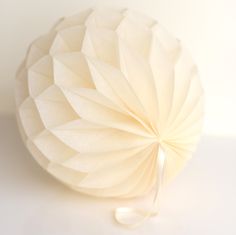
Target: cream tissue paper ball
(100,95)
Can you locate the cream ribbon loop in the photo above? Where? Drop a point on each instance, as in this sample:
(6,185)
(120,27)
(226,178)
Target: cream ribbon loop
(132,217)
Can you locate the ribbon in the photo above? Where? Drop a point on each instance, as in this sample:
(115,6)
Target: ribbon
(133,217)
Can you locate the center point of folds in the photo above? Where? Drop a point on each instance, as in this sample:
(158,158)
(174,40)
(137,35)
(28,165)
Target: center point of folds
(156,139)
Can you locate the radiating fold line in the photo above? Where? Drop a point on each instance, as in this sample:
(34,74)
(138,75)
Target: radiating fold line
(147,176)
(183,122)
(104,111)
(171,125)
(89,162)
(135,112)
(123,172)
(142,80)
(173,116)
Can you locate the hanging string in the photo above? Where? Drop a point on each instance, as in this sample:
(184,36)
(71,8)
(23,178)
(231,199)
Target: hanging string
(132,217)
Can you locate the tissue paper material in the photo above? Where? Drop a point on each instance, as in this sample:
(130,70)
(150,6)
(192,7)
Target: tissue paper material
(100,93)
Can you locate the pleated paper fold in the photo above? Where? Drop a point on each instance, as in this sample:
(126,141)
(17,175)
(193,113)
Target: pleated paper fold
(98,96)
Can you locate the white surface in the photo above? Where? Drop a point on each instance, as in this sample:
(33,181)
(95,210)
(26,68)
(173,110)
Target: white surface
(200,201)
(206,27)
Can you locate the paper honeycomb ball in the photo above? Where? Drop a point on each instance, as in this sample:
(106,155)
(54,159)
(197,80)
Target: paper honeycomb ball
(100,93)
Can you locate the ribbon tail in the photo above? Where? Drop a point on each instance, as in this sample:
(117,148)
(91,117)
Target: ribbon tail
(132,217)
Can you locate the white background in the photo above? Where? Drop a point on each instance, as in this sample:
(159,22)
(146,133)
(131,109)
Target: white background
(200,201)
